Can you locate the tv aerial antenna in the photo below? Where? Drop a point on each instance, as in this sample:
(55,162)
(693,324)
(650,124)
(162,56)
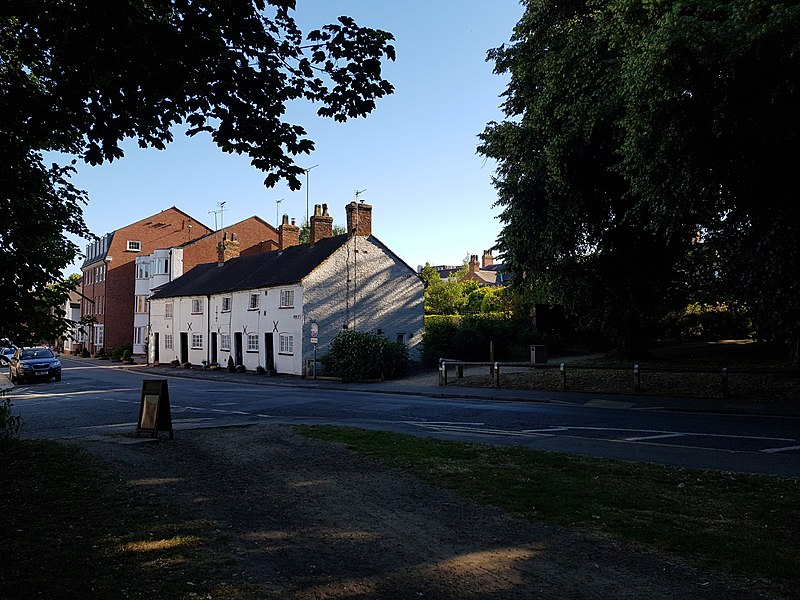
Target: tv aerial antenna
(358,193)
(221,212)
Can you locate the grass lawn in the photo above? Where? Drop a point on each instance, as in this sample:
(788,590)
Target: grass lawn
(71,530)
(742,525)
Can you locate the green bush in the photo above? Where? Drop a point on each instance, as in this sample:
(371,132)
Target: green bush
(355,355)
(708,322)
(468,337)
(9,424)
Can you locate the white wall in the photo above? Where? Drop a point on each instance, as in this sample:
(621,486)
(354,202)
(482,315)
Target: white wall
(269,317)
(383,294)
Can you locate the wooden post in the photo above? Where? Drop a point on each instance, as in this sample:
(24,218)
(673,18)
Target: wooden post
(491,358)
(637,379)
(563,369)
(726,390)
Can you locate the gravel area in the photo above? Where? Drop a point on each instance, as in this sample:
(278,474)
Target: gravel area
(310,520)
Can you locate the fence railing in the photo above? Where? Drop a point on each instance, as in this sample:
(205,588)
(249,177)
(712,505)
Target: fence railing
(636,370)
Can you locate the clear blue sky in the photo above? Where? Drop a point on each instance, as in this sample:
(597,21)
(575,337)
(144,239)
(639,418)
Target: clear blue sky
(414,155)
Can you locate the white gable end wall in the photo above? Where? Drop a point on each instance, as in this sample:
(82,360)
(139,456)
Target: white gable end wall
(364,286)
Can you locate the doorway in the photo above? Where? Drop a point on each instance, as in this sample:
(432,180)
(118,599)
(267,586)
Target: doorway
(184,347)
(237,337)
(270,350)
(154,358)
(213,357)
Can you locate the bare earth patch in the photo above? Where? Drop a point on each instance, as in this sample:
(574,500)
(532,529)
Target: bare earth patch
(308,519)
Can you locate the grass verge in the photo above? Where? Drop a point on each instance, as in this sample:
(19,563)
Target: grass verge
(743,525)
(70,529)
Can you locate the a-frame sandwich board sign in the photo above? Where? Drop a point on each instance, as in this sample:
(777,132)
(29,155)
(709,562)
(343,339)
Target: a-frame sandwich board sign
(154,411)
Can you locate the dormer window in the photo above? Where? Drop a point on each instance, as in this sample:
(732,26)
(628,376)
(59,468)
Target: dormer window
(134,246)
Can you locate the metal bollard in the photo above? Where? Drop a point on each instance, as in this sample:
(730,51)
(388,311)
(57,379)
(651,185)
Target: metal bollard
(726,390)
(497,375)
(637,379)
(563,369)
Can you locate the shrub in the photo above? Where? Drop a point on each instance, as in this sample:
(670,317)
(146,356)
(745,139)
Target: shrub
(708,322)
(9,424)
(260,370)
(468,337)
(175,363)
(85,353)
(187,365)
(231,365)
(241,369)
(355,355)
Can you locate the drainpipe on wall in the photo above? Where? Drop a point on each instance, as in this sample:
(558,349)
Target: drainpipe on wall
(208,330)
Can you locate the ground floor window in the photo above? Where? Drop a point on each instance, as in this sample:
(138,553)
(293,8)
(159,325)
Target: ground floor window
(99,335)
(197,341)
(252,342)
(286,344)
(138,335)
(225,341)
(168,343)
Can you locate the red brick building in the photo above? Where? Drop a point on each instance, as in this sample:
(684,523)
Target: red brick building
(254,234)
(109,272)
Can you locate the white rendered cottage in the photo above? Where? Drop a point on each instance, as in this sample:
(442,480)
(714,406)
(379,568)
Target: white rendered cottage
(262,309)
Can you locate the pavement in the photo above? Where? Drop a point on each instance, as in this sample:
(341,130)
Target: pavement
(425,383)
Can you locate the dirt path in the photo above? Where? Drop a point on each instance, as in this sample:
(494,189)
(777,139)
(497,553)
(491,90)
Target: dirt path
(311,520)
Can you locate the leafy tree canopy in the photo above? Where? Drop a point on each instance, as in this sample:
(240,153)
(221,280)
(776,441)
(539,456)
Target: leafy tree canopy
(80,77)
(647,156)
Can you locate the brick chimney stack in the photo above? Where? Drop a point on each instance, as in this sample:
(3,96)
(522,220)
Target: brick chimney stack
(321,224)
(288,235)
(488,259)
(359,219)
(228,248)
(473,263)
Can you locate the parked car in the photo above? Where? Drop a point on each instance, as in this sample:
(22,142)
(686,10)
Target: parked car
(34,363)
(6,352)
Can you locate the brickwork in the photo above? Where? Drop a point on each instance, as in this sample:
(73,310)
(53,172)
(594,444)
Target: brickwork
(170,227)
(288,234)
(359,219)
(253,234)
(321,224)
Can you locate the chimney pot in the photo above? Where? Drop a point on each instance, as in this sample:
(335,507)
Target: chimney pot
(359,219)
(288,234)
(321,225)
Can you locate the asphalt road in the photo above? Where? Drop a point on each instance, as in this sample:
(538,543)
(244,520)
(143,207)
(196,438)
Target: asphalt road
(102,399)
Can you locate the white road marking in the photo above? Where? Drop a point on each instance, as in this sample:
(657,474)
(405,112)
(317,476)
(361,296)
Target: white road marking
(653,437)
(786,449)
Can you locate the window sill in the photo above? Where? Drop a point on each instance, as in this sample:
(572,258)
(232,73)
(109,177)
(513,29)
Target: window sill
(251,351)
(285,353)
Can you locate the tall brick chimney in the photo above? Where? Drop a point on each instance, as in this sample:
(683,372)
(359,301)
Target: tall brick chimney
(321,224)
(488,259)
(228,248)
(288,235)
(359,218)
(473,263)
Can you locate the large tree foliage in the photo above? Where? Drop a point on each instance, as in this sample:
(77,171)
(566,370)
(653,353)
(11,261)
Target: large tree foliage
(647,158)
(80,77)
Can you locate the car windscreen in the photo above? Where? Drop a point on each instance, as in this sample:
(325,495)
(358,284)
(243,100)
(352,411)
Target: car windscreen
(37,353)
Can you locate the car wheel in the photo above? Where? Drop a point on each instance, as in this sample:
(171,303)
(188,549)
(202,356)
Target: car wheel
(57,377)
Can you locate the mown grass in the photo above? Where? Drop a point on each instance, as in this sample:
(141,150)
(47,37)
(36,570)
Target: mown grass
(70,529)
(743,525)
